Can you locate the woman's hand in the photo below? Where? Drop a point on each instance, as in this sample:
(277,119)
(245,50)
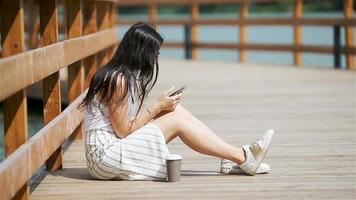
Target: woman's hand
(165,103)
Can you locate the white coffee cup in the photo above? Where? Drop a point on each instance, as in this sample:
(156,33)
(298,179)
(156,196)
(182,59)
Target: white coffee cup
(173,162)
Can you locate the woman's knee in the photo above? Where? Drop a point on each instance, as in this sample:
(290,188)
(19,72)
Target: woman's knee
(170,124)
(180,111)
(174,118)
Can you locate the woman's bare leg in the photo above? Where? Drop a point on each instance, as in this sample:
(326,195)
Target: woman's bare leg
(196,135)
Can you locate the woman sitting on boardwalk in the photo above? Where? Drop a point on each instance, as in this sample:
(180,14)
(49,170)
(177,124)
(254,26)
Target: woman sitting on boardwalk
(123,143)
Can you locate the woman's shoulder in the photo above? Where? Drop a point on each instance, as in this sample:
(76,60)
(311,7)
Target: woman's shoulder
(96,109)
(121,84)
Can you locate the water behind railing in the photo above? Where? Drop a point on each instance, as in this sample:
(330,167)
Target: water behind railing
(312,35)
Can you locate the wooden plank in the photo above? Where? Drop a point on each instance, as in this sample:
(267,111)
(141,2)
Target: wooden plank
(153,13)
(168,44)
(327,21)
(15,106)
(266,21)
(16,131)
(349,37)
(37,150)
(51,84)
(1,28)
(34,36)
(75,70)
(113,17)
(243,30)
(297,14)
(74,29)
(32,24)
(111,23)
(194,15)
(90,26)
(103,22)
(103,17)
(113,14)
(185,2)
(265,47)
(172,2)
(36,64)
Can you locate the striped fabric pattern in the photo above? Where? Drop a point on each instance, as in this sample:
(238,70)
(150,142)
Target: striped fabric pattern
(98,118)
(139,156)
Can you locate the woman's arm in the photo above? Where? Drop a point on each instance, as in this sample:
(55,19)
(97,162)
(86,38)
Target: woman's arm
(119,116)
(120,120)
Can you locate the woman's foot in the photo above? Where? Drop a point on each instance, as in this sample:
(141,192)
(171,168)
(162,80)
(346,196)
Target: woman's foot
(256,152)
(230,167)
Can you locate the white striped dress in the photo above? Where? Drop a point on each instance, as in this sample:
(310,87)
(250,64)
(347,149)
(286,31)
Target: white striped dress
(139,156)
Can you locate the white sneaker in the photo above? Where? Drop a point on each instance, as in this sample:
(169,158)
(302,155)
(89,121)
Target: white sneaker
(256,152)
(230,167)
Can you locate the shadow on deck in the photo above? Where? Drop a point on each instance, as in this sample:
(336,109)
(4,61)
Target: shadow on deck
(312,155)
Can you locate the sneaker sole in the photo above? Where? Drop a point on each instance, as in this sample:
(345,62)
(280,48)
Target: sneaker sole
(227,168)
(270,133)
(240,171)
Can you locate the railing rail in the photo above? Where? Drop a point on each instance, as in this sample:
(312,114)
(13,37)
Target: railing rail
(34,65)
(297,21)
(90,39)
(19,166)
(266,21)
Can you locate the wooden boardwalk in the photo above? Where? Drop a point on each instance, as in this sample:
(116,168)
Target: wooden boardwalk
(312,155)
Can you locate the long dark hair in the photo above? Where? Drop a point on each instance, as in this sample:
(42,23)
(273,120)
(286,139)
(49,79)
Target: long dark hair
(136,59)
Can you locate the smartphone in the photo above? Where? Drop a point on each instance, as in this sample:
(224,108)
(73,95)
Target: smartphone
(180,90)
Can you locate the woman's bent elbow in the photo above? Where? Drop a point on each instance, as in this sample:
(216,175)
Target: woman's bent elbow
(121,133)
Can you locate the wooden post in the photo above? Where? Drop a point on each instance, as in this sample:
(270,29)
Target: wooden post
(113,15)
(349,39)
(153,13)
(337,47)
(75,70)
(51,84)
(298,13)
(103,22)
(0,26)
(188,41)
(33,25)
(243,30)
(89,26)
(194,16)
(15,106)
(103,16)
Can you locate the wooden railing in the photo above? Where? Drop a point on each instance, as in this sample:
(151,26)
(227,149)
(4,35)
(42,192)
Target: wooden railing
(90,38)
(297,21)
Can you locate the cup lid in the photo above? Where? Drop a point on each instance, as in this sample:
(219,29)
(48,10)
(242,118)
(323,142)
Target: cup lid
(174,157)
